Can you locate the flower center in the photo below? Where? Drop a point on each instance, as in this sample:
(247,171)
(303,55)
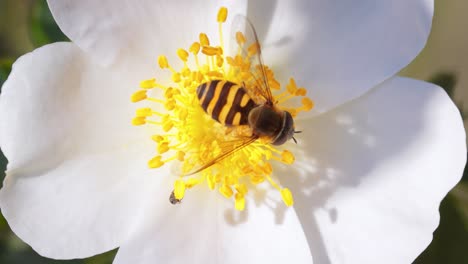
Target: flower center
(225,157)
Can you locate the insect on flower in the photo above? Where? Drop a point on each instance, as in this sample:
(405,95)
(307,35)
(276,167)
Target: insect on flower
(250,105)
(226,118)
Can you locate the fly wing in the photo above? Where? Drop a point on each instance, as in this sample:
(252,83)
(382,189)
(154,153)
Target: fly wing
(246,54)
(229,148)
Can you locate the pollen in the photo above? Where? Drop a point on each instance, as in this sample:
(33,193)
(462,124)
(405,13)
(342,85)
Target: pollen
(198,148)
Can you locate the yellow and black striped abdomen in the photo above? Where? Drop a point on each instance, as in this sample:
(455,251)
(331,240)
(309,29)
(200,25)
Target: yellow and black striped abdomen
(226,102)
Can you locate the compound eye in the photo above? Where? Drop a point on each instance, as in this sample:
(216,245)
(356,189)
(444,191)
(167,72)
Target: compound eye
(287,131)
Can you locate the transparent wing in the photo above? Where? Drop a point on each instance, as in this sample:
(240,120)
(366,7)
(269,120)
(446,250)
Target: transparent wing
(246,55)
(229,148)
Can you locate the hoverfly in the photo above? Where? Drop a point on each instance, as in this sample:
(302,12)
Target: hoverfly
(249,103)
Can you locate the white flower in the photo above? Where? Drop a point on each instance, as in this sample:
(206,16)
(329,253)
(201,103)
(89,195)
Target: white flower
(376,156)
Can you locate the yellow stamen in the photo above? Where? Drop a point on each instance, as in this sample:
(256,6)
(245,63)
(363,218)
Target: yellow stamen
(307,103)
(138,96)
(162,61)
(192,138)
(183,54)
(211,180)
(240,38)
(191,182)
(222,14)
(148,84)
(287,197)
(226,191)
(176,77)
(144,112)
(155,162)
(163,147)
(239,201)
(195,48)
(287,157)
(139,120)
(157,138)
(211,51)
(204,41)
(180,155)
(241,188)
(179,189)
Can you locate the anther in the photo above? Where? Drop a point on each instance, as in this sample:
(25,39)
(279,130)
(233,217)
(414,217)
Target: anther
(169,92)
(138,96)
(291,86)
(176,77)
(180,155)
(274,84)
(257,179)
(162,61)
(211,51)
(183,113)
(163,147)
(140,112)
(179,189)
(241,188)
(253,49)
(155,162)
(307,103)
(204,41)
(168,126)
(300,92)
(183,54)
(148,84)
(170,104)
(139,120)
(231,61)
(239,203)
(222,14)
(195,48)
(211,182)
(287,197)
(157,138)
(219,61)
(226,191)
(240,38)
(287,157)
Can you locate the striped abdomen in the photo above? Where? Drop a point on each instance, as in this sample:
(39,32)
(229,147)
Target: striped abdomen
(225,101)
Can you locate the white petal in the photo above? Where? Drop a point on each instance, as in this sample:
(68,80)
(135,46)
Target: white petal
(376,171)
(140,30)
(205,228)
(75,178)
(340,49)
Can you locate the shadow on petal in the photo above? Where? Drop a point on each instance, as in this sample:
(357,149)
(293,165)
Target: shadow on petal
(341,149)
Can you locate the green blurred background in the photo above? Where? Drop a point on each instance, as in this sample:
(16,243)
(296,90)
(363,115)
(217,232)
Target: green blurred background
(28,24)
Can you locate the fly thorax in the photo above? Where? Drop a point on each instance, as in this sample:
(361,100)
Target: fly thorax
(265,121)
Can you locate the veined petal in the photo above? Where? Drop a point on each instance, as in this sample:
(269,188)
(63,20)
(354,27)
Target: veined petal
(137,31)
(339,50)
(76,177)
(375,172)
(205,228)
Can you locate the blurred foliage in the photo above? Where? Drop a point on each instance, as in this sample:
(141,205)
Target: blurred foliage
(41,28)
(44,30)
(448,81)
(450,242)
(5,68)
